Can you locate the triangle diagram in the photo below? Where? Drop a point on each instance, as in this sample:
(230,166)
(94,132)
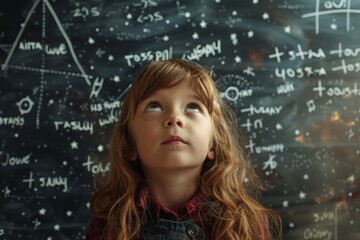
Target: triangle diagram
(41,73)
(33,51)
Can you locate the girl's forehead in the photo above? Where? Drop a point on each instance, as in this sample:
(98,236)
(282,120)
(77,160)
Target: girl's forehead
(184,90)
(197,84)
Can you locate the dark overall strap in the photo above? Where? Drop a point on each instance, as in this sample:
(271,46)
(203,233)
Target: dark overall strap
(171,230)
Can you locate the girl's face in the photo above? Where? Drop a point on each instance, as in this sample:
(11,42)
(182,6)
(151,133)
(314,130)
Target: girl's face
(172,130)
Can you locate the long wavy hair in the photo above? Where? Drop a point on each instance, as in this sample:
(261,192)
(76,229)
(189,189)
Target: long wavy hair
(228,181)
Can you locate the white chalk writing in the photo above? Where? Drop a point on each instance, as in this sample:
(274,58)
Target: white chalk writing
(262,110)
(298,53)
(317,234)
(54,181)
(200,51)
(285,88)
(95,168)
(98,107)
(110,119)
(347,67)
(233,93)
(260,149)
(57,50)
(336,91)
(75,125)
(148,56)
(15,161)
(299,72)
(14,121)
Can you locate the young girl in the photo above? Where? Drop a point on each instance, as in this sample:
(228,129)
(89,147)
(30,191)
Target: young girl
(177,167)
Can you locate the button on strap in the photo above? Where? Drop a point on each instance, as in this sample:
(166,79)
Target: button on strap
(194,231)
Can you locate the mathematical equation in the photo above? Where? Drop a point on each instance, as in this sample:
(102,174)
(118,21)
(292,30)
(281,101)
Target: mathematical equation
(324,8)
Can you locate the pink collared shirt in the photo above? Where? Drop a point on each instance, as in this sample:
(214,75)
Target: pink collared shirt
(191,210)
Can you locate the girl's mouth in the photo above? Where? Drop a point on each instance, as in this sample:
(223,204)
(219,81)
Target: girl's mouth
(174,140)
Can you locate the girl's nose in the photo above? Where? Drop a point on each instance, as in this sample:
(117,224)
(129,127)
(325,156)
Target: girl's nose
(174,119)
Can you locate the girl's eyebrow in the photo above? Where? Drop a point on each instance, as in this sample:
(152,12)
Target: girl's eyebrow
(192,95)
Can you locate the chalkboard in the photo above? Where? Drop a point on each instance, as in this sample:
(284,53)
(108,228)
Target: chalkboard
(289,69)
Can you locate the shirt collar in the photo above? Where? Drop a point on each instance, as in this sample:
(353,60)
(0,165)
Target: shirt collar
(190,210)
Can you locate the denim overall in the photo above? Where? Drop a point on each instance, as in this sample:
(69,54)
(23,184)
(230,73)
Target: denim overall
(171,230)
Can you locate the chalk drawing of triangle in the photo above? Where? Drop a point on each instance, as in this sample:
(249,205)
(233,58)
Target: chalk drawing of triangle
(40,61)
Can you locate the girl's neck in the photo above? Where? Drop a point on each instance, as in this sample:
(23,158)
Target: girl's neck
(172,189)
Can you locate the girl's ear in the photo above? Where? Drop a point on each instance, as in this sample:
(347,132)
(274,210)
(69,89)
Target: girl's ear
(211,154)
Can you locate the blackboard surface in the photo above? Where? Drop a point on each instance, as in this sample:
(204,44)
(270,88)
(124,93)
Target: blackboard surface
(290,70)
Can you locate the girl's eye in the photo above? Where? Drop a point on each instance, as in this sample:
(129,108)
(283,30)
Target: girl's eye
(193,108)
(153,107)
